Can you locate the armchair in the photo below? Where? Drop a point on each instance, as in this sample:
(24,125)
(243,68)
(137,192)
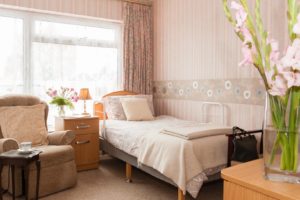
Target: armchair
(58,168)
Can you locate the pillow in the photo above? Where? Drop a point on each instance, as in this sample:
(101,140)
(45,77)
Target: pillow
(24,123)
(136,109)
(149,100)
(114,109)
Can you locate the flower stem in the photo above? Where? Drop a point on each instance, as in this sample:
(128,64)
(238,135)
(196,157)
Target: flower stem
(293,127)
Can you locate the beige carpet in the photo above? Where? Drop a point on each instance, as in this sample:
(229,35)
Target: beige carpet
(107,183)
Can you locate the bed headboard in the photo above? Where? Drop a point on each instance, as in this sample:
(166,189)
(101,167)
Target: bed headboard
(98,106)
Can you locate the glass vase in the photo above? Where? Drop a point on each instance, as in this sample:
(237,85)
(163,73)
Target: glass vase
(61,111)
(281,140)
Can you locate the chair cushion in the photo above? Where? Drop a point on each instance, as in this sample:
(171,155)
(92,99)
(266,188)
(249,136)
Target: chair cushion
(24,123)
(55,155)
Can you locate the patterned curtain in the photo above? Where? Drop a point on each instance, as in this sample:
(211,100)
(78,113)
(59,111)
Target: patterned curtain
(138,48)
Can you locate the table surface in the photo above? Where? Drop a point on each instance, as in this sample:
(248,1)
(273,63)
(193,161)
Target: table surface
(251,175)
(16,154)
(79,117)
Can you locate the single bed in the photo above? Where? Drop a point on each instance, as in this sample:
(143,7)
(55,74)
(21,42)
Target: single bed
(126,140)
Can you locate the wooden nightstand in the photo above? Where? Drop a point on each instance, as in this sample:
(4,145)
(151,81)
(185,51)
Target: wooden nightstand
(246,182)
(86,143)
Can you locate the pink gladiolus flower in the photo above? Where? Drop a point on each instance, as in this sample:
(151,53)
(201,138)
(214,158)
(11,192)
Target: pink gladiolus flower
(247,35)
(274,55)
(292,57)
(270,76)
(236,6)
(240,15)
(247,56)
(290,78)
(278,86)
(297,79)
(277,83)
(296,28)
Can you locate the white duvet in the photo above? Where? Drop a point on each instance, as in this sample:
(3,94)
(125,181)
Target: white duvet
(186,162)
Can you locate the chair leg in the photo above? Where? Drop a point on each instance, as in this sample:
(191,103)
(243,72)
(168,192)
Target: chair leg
(180,194)
(128,173)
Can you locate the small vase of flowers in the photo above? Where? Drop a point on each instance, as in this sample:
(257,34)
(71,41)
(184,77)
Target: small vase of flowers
(64,97)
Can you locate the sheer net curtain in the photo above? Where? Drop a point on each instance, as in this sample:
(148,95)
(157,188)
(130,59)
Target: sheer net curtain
(138,48)
(11,56)
(74,56)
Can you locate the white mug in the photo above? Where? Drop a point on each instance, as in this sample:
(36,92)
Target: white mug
(25,146)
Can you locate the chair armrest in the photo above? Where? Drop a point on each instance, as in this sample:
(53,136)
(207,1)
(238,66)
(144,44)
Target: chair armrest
(61,137)
(7,144)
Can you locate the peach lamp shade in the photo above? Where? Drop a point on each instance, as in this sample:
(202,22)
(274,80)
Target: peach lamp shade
(84,95)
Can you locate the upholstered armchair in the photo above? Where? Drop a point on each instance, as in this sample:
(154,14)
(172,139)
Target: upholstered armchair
(58,169)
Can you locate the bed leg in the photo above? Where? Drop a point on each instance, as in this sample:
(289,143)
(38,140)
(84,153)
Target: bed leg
(128,173)
(180,195)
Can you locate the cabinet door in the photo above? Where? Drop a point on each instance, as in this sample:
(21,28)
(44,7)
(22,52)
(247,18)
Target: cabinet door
(86,149)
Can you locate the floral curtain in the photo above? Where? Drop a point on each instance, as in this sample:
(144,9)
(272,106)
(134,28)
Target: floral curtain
(138,48)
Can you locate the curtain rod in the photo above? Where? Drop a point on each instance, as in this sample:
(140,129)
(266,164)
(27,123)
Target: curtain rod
(142,2)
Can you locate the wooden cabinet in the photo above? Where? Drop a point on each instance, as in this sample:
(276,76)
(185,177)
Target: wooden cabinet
(86,143)
(246,182)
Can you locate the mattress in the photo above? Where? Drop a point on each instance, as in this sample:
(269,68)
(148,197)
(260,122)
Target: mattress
(126,136)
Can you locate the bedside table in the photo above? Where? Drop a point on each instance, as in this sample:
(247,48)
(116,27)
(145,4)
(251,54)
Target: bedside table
(246,182)
(86,143)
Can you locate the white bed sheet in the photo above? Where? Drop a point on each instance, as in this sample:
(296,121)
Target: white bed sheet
(127,136)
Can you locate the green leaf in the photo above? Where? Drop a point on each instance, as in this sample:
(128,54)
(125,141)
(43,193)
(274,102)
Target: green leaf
(60,101)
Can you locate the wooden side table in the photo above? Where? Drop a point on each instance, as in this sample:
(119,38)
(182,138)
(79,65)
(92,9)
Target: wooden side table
(13,158)
(86,143)
(246,182)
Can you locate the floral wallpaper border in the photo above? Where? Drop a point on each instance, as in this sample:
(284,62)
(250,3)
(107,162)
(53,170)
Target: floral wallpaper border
(239,91)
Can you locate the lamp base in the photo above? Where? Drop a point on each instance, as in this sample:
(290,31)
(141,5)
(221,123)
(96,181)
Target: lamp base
(86,114)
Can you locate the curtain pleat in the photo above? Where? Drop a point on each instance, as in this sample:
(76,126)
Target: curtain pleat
(138,48)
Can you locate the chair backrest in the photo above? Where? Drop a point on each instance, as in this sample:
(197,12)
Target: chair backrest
(22,100)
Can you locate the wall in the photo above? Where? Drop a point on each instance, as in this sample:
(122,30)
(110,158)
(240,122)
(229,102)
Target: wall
(109,9)
(197,56)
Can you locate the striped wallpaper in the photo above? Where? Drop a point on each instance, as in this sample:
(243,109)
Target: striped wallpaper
(109,9)
(194,41)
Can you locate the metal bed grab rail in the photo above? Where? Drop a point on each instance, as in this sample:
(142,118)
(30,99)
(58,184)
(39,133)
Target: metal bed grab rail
(205,104)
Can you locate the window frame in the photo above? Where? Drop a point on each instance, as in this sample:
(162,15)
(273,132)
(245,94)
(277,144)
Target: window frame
(30,16)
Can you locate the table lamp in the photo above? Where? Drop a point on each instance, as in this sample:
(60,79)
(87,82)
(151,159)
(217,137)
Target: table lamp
(84,95)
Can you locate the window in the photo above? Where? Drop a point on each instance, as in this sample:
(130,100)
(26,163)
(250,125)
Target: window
(41,51)
(74,56)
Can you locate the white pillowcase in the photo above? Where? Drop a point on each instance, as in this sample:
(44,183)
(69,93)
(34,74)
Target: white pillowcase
(136,109)
(114,109)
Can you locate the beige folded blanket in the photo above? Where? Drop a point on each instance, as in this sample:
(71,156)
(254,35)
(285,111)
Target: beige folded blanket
(194,132)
